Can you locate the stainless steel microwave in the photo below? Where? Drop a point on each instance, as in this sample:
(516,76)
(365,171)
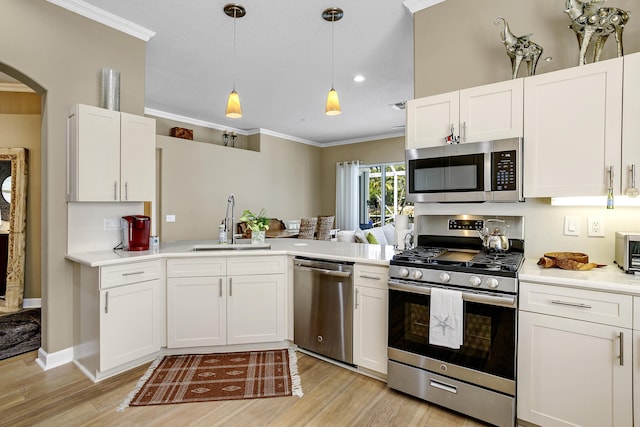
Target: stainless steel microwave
(627,253)
(488,171)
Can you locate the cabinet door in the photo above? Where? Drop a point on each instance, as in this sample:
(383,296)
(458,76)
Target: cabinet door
(492,111)
(572,372)
(636,377)
(430,120)
(132,322)
(572,132)
(255,309)
(138,150)
(94,154)
(196,311)
(370,328)
(630,122)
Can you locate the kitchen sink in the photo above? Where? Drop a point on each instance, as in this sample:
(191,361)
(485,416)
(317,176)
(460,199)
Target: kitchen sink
(230,247)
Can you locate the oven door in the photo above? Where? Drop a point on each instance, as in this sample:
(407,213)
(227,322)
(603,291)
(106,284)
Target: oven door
(452,173)
(488,354)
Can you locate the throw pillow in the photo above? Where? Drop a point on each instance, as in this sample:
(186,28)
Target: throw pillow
(359,236)
(372,239)
(389,231)
(377,231)
(346,236)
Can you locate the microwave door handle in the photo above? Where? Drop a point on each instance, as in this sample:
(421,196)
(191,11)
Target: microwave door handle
(487,173)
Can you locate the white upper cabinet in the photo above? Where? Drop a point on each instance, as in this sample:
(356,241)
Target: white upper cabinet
(111,156)
(478,114)
(630,120)
(137,157)
(572,130)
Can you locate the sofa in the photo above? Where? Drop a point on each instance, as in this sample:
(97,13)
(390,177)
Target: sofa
(384,235)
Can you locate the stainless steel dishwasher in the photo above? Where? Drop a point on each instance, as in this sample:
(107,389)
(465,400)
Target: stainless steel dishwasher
(323,307)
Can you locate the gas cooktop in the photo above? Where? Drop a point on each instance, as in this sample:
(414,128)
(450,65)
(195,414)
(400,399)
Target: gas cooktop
(472,261)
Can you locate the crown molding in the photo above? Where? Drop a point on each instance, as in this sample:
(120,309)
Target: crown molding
(417,5)
(102,16)
(211,125)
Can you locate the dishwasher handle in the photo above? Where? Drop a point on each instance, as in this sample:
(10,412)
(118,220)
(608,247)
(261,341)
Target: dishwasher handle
(324,271)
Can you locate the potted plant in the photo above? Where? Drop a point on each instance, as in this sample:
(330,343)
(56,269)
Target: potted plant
(258,224)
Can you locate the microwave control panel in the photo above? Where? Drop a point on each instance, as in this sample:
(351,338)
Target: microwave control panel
(503,167)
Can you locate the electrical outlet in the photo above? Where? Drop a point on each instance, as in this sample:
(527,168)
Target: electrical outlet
(171,218)
(111,224)
(596,226)
(571,225)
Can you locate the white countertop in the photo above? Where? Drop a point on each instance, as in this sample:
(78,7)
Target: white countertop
(609,279)
(356,252)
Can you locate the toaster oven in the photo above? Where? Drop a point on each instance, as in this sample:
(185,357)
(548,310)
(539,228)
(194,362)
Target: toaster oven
(627,251)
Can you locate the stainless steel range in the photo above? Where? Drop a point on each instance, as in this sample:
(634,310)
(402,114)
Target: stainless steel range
(476,378)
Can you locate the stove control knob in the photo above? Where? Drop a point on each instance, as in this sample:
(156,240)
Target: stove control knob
(404,272)
(492,282)
(475,281)
(417,274)
(444,277)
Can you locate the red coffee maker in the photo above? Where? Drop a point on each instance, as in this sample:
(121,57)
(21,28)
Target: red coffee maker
(135,232)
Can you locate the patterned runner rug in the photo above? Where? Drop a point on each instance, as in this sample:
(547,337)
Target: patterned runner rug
(217,376)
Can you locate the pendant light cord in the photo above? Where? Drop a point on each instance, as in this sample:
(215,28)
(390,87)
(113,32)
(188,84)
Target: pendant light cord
(234,49)
(332,49)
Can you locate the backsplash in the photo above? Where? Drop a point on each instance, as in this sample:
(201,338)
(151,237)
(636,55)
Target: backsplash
(544,225)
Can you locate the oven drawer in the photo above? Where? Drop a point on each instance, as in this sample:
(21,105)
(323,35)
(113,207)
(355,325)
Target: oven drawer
(486,405)
(579,304)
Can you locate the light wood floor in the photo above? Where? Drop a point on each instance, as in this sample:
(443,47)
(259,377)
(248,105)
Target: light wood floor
(333,396)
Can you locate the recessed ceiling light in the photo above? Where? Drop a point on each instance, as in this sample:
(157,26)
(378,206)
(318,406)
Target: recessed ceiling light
(359,78)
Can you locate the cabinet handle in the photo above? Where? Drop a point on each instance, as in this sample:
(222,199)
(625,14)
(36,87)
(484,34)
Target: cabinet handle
(621,348)
(126,191)
(230,287)
(115,190)
(220,287)
(357,292)
(106,302)
(364,276)
(571,304)
(133,273)
(464,131)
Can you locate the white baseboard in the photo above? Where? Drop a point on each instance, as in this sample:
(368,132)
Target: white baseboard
(52,360)
(32,303)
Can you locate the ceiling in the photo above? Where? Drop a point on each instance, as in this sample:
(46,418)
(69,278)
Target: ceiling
(282,67)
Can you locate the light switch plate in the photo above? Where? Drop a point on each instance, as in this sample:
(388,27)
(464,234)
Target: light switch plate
(571,225)
(171,218)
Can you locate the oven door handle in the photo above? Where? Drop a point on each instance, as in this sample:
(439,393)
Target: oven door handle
(502,300)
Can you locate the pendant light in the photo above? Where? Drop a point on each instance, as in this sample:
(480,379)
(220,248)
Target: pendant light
(332,15)
(234,111)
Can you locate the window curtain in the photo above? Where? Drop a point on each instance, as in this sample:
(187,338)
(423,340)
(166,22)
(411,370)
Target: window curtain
(347,195)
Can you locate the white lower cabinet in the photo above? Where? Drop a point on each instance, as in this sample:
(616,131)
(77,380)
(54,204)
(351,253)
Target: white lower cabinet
(572,371)
(370,317)
(196,311)
(121,316)
(219,301)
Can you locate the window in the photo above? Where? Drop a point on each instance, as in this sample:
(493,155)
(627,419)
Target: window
(383,193)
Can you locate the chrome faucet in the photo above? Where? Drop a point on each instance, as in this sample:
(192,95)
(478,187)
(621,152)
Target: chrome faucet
(231,202)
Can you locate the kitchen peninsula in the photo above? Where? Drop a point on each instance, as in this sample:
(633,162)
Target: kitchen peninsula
(177,300)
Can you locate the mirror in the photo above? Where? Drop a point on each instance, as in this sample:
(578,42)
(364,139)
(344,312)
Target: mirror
(13,203)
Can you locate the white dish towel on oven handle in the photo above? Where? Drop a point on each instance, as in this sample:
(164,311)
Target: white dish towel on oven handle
(446,318)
